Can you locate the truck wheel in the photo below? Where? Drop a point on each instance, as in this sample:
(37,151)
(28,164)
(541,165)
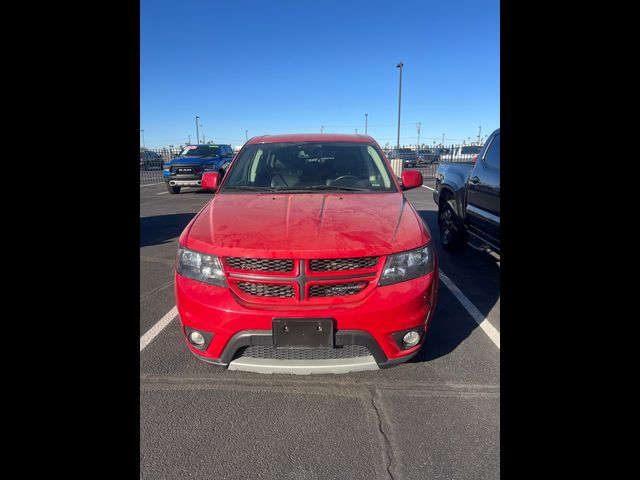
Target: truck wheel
(171,189)
(453,235)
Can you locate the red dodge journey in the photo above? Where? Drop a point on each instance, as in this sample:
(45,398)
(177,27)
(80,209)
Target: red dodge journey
(308,259)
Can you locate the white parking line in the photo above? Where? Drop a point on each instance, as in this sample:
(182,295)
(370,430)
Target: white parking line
(150,184)
(480,319)
(158,327)
(432,189)
(163,193)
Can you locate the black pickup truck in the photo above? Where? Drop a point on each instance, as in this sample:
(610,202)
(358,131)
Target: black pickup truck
(468,198)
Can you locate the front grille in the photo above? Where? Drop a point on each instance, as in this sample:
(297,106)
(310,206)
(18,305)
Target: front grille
(334,264)
(266,289)
(336,289)
(193,169)
(260,264)
(314,353)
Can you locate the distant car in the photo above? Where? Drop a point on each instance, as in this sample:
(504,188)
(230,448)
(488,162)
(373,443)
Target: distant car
(462,153)
(187,168)
(408,156)
(150,160)
(426,157)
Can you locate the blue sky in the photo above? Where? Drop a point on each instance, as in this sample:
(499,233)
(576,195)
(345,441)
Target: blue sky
(281,66)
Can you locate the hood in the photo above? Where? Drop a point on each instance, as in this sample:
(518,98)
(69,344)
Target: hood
(314,225)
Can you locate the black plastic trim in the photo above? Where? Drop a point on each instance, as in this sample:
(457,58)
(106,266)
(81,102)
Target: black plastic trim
(342,337)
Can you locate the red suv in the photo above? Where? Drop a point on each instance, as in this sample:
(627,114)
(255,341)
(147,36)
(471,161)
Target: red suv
(308,259)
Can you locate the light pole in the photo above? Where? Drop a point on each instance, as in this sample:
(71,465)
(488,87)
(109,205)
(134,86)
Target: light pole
(197,131)
(322,129)
(246,135)
(418,125)
(479,132)
(142,138)
(443,139)
(203,140)
(366,121)
(356,131)
(189,140)
(400,65)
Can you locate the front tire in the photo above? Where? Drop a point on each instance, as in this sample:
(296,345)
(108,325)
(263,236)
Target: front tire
(453,235)
(173,190)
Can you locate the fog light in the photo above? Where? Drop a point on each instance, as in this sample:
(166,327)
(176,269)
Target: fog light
(196,338)
(411,339)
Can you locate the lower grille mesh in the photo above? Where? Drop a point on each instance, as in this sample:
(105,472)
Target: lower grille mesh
(336,290)
(317,353)
(266,289)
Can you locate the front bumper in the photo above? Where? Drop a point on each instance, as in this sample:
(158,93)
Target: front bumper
(371,323)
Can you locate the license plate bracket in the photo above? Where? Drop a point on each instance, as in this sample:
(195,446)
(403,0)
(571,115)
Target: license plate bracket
(303,332)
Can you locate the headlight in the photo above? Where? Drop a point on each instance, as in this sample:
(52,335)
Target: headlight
(200,266)
(407,265)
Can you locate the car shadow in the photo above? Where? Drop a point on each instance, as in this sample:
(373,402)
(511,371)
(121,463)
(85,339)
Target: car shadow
(477,275)
(162,228)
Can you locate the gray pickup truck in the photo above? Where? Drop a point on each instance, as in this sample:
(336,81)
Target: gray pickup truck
(468,198)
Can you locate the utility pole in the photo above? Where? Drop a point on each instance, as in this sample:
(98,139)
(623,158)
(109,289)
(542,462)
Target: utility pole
(400,65)
(418,125)
(479,132)
(197,131)
(366,121)
(142,138)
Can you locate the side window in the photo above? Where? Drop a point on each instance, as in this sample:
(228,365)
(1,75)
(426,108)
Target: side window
(492,155)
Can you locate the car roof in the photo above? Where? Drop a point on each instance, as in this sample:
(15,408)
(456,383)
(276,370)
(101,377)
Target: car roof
(312,137)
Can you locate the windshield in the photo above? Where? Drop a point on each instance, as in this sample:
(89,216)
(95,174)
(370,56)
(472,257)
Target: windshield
(309,166)
(471,150)
(200,151)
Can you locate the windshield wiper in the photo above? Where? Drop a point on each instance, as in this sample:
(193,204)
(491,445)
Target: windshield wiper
(327,187)
(250,188)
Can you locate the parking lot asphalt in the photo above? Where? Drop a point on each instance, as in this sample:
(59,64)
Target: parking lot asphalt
(436,417)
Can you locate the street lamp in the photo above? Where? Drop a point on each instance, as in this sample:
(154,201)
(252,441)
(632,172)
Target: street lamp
(366,121)
(189,139)
(142,138)
(203,140)
(197,131)
(418,125)
(400,65)
(443,139)
(246,135)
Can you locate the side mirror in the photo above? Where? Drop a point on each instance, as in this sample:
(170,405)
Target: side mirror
(411,179)
(210,180)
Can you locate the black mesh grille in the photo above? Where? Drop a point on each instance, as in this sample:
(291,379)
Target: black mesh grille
(317,353)
(334,264)
(194,169)
(261,264)
(337,289)
(266,289)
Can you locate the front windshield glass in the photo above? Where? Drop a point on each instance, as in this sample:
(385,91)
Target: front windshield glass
(200,151)
(309,166)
